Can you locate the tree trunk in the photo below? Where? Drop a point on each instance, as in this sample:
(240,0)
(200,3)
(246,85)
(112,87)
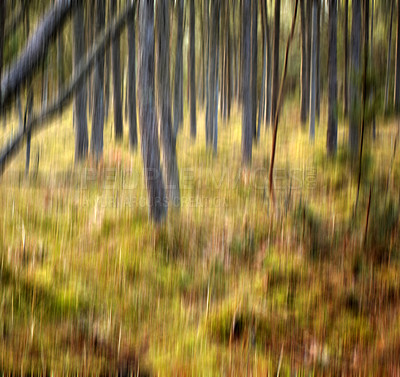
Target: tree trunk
(261,108)
(29,104)
(81,132)
(168,138)
(388,58)
(305,92)
(132,82)
(192,73)
(98,81)
(254,52)
(346,58)
(2,20)
(269,69)
(275,75)
(397,75)
(318,65)
(178,68)
(331,140)
(107,70)
(158,204)
(313,78)
(246,87)
(355,94)
(116,73)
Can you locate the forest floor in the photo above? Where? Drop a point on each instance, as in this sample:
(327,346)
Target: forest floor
(226,286)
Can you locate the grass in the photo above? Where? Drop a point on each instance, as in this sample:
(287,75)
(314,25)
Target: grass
(225,286)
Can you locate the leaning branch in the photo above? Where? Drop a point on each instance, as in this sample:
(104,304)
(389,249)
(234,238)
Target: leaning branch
(280,101)
(38,121)
(35,49)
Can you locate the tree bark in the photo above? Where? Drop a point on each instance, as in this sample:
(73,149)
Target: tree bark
(98,87)
(305,83)
(313,73)
(158,204)
(178,68)
(346,58)
(246,77)
(261,107)
(116,73)
(192,69)
(318,65)
(81,132)
(168,138)
(2,19)
(269,69)
(331,140)
(254,52)
(275,74)
(34,52)
(132,82)
(388,58)
(355,94)
(397,75)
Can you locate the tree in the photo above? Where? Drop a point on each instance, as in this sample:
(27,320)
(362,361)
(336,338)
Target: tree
(81,132)
(313,78)
(275,70)
(254,52)
(192,70)
(388,58)
(346,57)
(397,74)
(2,19)
(147,116)
(246,76)
(168,138)
(305,82)
(132,82)
(98,81)
(354,109)
(331,140)
(116,74)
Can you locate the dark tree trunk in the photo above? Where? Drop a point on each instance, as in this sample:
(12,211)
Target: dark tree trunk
(389,58)
(309,39)
(132,82)
(305,82)
(397,75)
(313,72)
(116,73)
(355,93)
(107,70)
(168,139)
(158,204)
(98,81)
(346,58)
(275,74)
(246,87)
(331,141)
(254,52)
(178,68)
(192,73)
(81,132)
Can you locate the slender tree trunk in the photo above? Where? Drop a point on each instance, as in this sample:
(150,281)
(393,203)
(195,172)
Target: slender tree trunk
(254,52)
(98,84)
(192,74)
(318,65)
(158,204)
(269,69)
(132,82)
(246,77)
(397,74)
(178,68)
(116,73)
(275,75)
(331,140)
(261,107)
(207,125)
(168,139)
(313,79)
(81,132)
(29,104)
(305,92)
(354,110)
(2,20)
(346,58)
(309,47)
(389,58)
(371,60)
(107,70)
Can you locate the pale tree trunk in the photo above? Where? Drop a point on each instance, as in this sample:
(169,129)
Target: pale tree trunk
(397,74)
(261,107)
(388,58)
(116,74)
(178,68)
(192,74)
(246,76)
(158,204)
(98,85)
(313,73)
(254,52)
(269,69)
(132,82)
(309,46)
(331,140)
(355,93)
(305,92)
(107,70)
(168,138)
(275,74)
(346,58)
(81,132)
